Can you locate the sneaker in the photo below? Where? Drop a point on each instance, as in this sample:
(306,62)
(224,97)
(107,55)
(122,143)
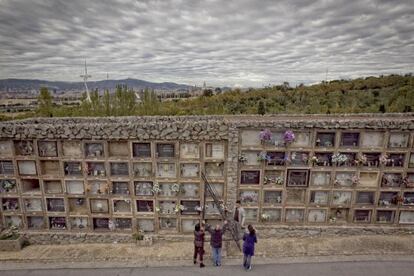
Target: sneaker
(195,262)
(202,265)
(249,268)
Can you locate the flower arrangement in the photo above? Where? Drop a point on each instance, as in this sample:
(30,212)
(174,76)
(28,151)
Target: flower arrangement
(288,137)
(179,208)
(262,156)
(175,188)
(278,180)
(7,185)
(265,135)
(265,217)
(248,197)
(157,209)
(314,160)
(242,158)
(355,180)
(156,188)
(339,158)
(362,159)
(383,159)
(287,159)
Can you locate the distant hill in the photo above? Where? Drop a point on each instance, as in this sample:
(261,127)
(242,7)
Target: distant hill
(27,85)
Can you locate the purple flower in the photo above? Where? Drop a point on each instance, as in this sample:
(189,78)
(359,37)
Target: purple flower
(289,136)
(265,135)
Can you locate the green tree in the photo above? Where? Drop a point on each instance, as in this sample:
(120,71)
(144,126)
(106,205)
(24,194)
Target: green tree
(45,103)
(261,109)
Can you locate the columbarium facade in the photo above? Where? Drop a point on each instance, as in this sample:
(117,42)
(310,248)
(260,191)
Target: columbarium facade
(144,173)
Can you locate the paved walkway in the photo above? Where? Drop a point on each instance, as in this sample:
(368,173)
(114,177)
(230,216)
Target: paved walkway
(180,253)
(365,268)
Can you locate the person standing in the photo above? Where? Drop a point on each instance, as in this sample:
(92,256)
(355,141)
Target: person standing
(239,217)
(249,239)
(198,244)
(216,241)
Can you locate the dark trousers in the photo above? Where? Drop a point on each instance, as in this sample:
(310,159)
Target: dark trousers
(247,261)
(200,252)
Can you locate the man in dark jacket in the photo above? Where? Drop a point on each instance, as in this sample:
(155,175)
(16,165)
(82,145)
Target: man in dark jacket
(216,241)
(198,243)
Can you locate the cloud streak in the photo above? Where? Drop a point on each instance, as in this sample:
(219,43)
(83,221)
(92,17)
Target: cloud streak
(245,42)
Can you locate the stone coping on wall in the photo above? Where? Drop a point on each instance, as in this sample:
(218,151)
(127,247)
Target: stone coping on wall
(191,127)
(263,231)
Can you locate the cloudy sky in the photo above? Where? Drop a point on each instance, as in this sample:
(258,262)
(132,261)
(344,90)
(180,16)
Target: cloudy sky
(222,42)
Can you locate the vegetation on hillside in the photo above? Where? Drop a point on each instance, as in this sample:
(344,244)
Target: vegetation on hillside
(394,93)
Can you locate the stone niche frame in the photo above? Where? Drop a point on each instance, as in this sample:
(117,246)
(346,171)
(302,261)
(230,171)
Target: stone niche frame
(317,215)
(48,148)
(27,167)
(325,139)
(214,150)
(189,150)
(24,147)
(350,139)
(54,185)
(6,148)
(297,178)
(118,149)
(94,149)
(385,216)
(362,215)
(7,167)
(398,139)
(372,139)
(320,178)
(294,215)
(319,197)
(72,148)
(50,168)
(142,150)
(250,177)
(368,179)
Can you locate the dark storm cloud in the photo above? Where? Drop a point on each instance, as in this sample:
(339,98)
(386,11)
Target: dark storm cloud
(249,43)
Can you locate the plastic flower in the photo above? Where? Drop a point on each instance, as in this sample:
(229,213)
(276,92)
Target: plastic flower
(262,156)
(383,159)
(242,158)
(265,216)
(339,158)
(265,135)
(355,180)
(156,188)
(288,136)
(175,188)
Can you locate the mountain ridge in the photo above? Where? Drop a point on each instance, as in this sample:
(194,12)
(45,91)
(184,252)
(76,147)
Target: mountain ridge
(25,85)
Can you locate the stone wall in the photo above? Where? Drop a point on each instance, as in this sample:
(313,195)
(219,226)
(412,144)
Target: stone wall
(190,127)
(201,128)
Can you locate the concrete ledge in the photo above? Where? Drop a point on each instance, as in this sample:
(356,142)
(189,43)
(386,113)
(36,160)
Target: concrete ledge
(12,245)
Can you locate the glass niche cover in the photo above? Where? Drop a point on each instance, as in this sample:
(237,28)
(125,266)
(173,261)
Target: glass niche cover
(189,150)
(398,140)
(249,197)
(372,140)
(320,178)
(297,178)
(166,170)
(317,215)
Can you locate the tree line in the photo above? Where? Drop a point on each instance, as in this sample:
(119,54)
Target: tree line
(393,93)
